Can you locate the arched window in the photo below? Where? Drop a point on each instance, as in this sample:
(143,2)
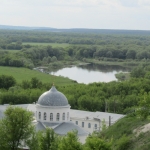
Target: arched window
(63,116)
(57,117)
(89,125)
(95,126)
(51,116)
(76,122)
(39,115)
(44,116)
(67,115)
(83,124)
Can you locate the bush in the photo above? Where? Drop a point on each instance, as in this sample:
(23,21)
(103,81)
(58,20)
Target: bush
(123,143)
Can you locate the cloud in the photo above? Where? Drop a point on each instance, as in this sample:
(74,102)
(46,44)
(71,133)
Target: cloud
(129,3)
(114,14)
(144,3)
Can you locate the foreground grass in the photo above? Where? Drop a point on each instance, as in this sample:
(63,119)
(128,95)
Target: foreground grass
(21,74)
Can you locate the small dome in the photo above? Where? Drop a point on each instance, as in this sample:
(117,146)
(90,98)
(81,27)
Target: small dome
(53,98)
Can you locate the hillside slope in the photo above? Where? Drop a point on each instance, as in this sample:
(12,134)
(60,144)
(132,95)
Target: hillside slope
(129,133)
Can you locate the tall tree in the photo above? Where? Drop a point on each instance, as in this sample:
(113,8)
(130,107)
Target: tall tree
(48,140)
(70,142)
(15,127)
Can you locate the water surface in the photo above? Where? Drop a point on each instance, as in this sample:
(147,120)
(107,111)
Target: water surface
(90,73)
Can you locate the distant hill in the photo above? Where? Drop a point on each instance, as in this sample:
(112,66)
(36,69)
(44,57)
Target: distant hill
(24,28)
(77,30)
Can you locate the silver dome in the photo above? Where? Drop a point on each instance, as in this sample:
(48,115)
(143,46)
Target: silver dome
(53,98)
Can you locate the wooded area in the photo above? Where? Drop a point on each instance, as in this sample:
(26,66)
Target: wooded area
(81,46)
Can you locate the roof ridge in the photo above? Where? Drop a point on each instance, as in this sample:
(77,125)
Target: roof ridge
(58,125)
(43,124)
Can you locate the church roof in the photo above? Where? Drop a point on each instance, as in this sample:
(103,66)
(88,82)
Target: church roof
(53,98)
(61,128)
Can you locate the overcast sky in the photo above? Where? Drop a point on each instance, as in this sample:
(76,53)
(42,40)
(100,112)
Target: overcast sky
(99,14)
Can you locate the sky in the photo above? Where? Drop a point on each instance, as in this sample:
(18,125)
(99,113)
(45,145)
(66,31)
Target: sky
(92,14)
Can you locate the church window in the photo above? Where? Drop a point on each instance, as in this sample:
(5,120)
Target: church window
(51,116)
(83,124)
(89,125)
(63,117)
(45,116)
(57,117)
(95,126)
(67,115)
(39,115)
(76,122)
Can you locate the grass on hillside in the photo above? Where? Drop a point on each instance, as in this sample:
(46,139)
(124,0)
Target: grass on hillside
(123,136)
(21,74)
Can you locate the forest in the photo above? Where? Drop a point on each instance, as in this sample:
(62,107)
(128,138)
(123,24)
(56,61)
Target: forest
(19,49)
(22,48)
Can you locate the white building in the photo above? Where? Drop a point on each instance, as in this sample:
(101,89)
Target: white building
(52,110)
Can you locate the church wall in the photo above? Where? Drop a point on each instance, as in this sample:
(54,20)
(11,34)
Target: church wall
(90,125)
(54,111)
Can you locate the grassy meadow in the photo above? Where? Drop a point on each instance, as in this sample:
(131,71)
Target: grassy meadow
(21,74)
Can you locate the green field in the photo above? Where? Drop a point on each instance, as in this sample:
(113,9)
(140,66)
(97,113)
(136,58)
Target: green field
(46,44)
(21,74)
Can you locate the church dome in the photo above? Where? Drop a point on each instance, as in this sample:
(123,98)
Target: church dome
(53,98)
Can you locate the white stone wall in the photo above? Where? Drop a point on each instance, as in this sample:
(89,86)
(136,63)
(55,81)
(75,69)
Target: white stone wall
(54,111)
(86,124)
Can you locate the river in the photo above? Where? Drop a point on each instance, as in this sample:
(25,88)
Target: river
(90,73)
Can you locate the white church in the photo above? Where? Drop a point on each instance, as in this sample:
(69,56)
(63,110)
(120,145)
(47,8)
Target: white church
(53,110)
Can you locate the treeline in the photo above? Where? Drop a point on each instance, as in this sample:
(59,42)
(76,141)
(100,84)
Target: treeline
(44,55)
(117,97)
(9,36)
(81,46)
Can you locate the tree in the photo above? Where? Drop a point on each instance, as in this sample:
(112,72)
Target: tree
(15,127)
(34,142)
(48,140)
(70,142)
(95,143)
(36,83)
(144,106)
(7,81)
(138,72)
(131,54)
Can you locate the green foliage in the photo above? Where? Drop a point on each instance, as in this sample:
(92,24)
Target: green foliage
(123,143)
(15,127)
(35,47)
(122,133)
(104,127)
(20,96)
(70,142)
(34,141)
(7,81)
(95,143)
(36,83)
(48,140)
(144,106)
(138,72)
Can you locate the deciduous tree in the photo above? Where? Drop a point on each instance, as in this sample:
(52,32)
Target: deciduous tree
(15,127)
